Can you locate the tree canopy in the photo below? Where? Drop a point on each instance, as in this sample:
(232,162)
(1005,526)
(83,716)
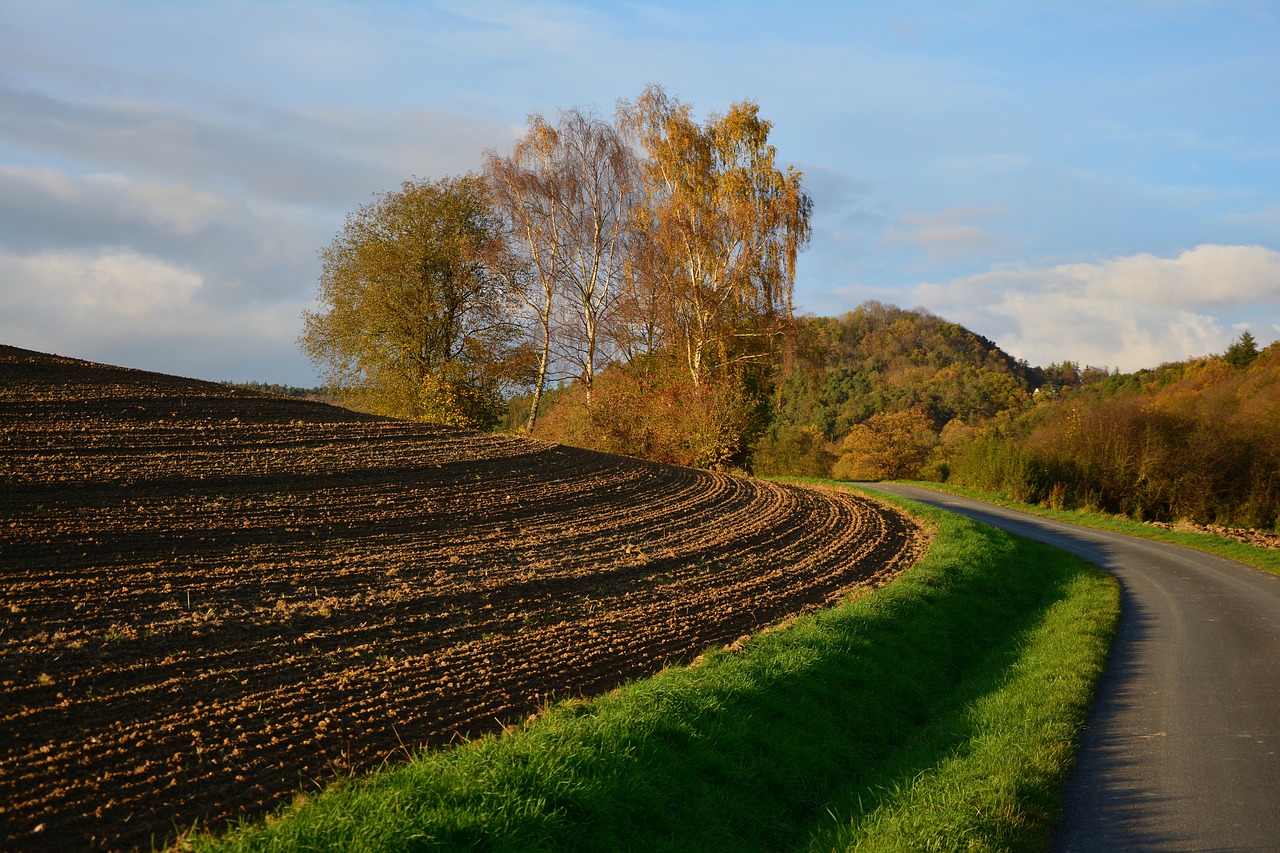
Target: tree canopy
(720,229)
(566,196)
(413,319)
(1243,350)
(1196,440)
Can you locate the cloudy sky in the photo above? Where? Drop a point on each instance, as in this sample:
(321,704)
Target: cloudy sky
(1096,182)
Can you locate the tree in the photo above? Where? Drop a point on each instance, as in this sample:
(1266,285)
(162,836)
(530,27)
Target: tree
(890,445)
(598,178)
(413,320)
(1243,351)
(566,195)
(720,229)
(516,184)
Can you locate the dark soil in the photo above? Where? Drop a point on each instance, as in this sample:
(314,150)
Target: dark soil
(213,599)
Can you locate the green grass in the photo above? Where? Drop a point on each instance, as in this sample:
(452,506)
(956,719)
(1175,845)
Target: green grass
(1266,559)
(938,713)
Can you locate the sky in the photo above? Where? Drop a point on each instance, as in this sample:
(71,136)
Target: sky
(1096,182)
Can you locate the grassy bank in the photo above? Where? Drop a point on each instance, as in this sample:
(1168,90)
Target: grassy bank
(1263,558)
(936,714)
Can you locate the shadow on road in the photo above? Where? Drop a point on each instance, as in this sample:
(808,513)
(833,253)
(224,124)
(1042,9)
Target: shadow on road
(1107,805)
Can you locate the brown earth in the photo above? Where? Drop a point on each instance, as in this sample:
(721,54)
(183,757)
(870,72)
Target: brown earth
(213,599)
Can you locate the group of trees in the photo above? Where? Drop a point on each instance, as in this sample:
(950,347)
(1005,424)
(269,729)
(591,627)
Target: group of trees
(566,198)
(627,285)
(1196,440)
(884,392)
(655,255)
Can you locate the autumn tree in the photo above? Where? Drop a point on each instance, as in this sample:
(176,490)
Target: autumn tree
(889,445)
(598,184)
(516,185)
(566,196)
(720,227)
(413,320)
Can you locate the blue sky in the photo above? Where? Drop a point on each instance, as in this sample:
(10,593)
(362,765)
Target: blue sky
(1087,181)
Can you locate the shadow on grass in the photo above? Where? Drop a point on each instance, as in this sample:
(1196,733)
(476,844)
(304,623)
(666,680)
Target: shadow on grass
(827,716)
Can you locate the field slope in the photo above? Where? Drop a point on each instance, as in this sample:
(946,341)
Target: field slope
(213,599)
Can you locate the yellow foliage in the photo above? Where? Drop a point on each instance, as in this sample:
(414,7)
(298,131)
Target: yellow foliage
(888,445)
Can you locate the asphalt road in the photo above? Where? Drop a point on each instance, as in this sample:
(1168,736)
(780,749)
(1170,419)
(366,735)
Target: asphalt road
(1182,748)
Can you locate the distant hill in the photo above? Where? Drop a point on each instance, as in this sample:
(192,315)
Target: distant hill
(882,359)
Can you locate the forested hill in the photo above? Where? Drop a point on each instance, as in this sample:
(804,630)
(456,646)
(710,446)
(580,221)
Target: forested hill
(883,359)
(884,392)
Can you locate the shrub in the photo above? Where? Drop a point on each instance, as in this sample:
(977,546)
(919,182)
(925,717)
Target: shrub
(663,419)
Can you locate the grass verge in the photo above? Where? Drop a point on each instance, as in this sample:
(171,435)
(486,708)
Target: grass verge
(1266,559)
(938,713)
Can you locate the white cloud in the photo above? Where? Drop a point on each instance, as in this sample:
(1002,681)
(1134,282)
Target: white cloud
(304,155)
(239,248)
(177,209)
(1204,276)
(127,308)
(67,302)
(1128,312)
(105,288)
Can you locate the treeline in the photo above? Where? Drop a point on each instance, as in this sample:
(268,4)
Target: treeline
(321,393)
(641,268)
(884,392)
(626,286)
(1198,440)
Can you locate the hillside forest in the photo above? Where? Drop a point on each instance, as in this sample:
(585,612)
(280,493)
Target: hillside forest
(626,286)
(890,393)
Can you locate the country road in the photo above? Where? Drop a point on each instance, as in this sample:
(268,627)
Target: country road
(1182,748)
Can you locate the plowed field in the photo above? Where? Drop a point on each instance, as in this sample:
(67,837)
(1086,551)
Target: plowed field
(214,599)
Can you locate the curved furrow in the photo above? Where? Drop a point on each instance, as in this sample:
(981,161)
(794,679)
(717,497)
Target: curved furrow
(216,599)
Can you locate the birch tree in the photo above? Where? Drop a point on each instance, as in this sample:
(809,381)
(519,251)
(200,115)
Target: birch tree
(720,229)
(598,183)
(566,195)
(518,186)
